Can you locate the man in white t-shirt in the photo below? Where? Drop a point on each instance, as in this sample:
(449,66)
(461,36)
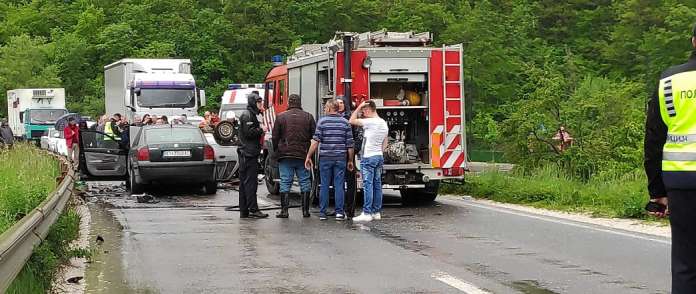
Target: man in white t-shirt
(374,142)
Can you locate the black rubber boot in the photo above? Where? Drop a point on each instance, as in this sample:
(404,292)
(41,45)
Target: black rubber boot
(257,214)
(305,204)
(284,203)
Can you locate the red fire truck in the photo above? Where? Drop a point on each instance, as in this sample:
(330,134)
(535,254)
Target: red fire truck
(418,89)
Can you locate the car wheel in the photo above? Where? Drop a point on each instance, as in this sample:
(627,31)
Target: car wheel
(210,188)
(270,174)
(224,131)
(135,187)
(420,196)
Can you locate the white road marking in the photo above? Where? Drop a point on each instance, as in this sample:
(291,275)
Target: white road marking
(568,223)
(458,284)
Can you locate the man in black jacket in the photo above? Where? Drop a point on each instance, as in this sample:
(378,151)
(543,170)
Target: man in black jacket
(250,134)
(670,165)
(292,133)
(351,182)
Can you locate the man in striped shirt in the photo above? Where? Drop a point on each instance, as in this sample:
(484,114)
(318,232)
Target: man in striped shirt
(334,139)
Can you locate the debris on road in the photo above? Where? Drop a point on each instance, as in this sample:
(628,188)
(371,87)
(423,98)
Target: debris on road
(75,280)
(145,198)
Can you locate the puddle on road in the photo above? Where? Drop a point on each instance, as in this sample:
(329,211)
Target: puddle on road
(530,287)
(105,272)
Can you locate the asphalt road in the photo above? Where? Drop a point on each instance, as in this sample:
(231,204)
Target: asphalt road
(188,243)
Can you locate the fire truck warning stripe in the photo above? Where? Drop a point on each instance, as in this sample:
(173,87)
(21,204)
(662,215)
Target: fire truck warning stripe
(452,135)
(452,158)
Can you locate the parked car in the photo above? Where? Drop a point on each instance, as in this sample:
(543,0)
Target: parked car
(157,154)
(54,142)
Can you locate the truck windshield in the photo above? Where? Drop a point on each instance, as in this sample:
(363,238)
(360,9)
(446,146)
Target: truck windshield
(45,116)
(182,98)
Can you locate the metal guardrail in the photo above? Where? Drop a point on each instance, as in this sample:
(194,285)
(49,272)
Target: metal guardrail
(18,243)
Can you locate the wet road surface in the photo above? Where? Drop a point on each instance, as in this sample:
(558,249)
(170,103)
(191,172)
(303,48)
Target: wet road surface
(188,243)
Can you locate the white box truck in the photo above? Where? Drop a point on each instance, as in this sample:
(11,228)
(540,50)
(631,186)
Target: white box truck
(31,112)
(152,86)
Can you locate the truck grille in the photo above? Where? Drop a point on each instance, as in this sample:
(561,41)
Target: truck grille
(37,133)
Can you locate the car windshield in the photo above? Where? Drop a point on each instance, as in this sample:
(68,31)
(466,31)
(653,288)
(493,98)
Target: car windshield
(46,116)
(173,135)
(166,98)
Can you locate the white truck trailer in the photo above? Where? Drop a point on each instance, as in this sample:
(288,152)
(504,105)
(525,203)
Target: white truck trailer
(31,112)
(134,87)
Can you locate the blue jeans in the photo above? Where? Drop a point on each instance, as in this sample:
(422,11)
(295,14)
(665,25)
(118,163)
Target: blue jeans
(336,170)
(288,168)
(371,169)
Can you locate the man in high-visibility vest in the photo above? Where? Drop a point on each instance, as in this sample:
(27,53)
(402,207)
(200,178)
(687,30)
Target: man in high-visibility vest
(113,128)
(670,164)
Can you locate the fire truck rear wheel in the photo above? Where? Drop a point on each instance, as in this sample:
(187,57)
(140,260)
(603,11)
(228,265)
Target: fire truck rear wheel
(271,174)
(420,196)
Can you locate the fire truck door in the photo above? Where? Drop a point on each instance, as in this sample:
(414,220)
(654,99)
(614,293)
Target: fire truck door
(448,136)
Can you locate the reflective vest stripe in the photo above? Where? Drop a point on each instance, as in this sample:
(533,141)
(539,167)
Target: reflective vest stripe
(669,99)
(679,156)
(682,166)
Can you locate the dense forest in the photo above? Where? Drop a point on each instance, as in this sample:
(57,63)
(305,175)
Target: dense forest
(531,65)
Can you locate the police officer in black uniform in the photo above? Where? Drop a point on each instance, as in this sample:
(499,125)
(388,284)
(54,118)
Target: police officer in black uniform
(250,133)
(670,165)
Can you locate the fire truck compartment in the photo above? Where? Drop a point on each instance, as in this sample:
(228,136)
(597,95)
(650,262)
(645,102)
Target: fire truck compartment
(408,125)
(396,65)
(390,88)
(397,78)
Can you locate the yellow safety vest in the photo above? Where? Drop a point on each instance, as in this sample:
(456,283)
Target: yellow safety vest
(677,94)
(110,132)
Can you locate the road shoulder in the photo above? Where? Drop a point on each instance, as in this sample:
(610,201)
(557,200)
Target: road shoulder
(629,225)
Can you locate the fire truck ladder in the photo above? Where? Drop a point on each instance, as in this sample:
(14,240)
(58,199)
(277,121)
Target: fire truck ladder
(453,131)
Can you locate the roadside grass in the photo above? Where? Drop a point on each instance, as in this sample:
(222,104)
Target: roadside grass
(37,274)
(622,196)
(27,176)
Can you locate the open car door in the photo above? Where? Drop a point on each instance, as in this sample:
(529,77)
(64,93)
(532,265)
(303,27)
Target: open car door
(102,157)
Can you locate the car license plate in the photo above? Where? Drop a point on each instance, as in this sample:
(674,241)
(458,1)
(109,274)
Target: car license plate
(182,153)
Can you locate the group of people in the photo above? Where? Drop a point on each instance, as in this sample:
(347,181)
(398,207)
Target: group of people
(296,137)
(210,120)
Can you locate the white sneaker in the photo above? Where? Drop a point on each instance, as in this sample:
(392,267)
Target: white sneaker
(377,216)
(364,217)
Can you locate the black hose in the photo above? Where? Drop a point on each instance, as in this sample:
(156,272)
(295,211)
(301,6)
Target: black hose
(236,208)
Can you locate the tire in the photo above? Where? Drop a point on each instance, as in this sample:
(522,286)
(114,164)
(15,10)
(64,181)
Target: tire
(135,187)
(420,196)
(224,132)
(128,183)
(271,173)
(210,188)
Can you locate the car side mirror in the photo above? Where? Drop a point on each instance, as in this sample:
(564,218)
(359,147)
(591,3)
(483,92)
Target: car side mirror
(201,97)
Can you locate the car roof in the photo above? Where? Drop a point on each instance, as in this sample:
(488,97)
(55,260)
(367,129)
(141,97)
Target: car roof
(167,126)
